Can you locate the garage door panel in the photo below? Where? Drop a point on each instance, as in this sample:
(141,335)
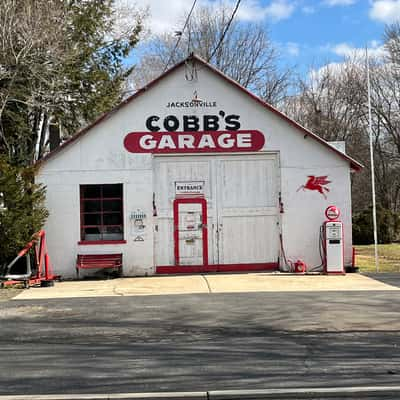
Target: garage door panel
(190,234)
(242,206)
(249,239)
(170,171)
(247,209)
(164,243)
(234,212)
(247,183)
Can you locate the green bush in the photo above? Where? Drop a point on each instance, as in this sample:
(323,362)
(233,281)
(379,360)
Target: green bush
(388,226)
(22,211)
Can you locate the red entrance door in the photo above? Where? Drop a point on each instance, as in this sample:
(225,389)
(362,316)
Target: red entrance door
(190,232)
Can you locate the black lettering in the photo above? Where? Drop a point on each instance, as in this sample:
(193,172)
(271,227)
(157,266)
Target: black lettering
(210,122)
(190,123)
(232,122)
(171,123)
(149,123)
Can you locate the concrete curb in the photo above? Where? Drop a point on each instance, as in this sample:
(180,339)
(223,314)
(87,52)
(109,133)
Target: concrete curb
(307,393)
(115,396)
(300,393)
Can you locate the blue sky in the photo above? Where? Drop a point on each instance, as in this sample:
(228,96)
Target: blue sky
(306,32)
(319,32)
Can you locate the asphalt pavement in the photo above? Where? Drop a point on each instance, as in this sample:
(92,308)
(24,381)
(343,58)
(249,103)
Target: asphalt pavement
(200,342)
(392,279)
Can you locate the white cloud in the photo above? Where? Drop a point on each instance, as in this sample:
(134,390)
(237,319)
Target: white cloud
(333,3)
(315,75)
(308,10)
(164,15)
(280,9)
(167,16)
(386,11)
(293,49)
(347,50)
(253,10)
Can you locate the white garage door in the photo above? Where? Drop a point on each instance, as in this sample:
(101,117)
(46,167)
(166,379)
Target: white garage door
(242,206)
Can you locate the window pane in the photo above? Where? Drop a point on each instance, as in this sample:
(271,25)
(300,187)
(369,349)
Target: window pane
(91,191)
(91,205)
(113,233)
(92,219)
(112,190)
(92,233)
(112,205)
(112,219)
(113,229)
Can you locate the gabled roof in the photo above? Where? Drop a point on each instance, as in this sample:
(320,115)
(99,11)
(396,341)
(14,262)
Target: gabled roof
(353,163)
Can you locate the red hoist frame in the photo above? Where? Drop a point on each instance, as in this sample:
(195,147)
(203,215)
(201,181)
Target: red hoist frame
(43,274)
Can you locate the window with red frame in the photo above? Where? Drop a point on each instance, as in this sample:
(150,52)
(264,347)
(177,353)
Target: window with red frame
(101,212)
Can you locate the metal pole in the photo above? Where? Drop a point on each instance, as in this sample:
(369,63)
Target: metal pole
(371,150)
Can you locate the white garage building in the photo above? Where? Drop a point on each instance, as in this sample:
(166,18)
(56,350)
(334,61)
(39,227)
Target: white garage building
(193,173)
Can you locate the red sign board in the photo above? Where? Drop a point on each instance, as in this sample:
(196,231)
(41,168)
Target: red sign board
(194,142)
(332,213)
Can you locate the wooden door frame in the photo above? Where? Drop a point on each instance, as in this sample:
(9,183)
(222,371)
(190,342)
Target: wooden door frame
(191,200)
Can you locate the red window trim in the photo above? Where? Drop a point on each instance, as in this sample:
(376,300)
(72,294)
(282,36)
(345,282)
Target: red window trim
(82,213)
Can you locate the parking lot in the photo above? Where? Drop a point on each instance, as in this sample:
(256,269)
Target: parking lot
(200,341)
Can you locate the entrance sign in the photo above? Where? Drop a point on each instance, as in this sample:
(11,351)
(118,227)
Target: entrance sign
(194,142)
(186,188)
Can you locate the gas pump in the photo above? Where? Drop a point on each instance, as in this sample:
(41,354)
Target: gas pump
(333,242)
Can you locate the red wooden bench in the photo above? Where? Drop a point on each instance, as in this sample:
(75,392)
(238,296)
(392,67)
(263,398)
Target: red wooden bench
(98,261)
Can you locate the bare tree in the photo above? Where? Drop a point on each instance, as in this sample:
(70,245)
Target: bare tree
(385,99)
(60,61)
(26,51)
(331,102)
(246,54)
(392,42)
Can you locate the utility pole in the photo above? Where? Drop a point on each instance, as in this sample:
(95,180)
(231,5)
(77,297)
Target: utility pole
(371,150)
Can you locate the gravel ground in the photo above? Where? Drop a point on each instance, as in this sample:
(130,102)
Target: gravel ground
(8,293)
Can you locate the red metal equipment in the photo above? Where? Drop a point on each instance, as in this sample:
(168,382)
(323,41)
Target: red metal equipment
(41,273)
(300,267)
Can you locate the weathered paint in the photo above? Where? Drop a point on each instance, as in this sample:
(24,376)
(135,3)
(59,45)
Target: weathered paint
(286,160)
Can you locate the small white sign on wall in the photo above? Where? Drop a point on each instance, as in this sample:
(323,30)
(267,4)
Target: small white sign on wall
(189,188)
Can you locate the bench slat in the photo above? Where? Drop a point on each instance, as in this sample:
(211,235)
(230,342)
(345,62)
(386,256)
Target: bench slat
(98,261)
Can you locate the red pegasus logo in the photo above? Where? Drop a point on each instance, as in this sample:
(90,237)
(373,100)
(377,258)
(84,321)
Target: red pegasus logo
(316,183)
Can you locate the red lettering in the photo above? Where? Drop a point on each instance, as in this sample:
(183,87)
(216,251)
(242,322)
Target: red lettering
(194,142)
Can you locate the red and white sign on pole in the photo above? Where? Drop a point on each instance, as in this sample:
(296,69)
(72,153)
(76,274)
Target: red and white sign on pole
(194,142)
(332,213)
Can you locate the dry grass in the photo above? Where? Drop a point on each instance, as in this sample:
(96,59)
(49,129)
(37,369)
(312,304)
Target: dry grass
(389,258)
